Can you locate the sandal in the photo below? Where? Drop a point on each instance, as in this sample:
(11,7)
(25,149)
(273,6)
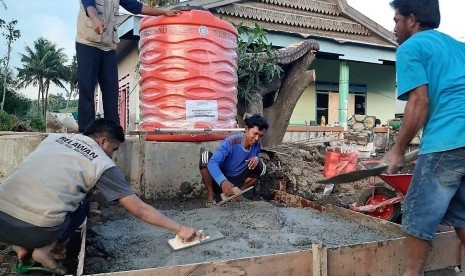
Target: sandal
(57,270)
(21,268)
(210,202)
(26,268)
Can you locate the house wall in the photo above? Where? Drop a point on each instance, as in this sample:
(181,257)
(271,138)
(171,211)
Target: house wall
(379,79)
(305,107)
(127,66)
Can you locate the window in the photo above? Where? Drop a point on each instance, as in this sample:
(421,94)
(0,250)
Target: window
(327,101)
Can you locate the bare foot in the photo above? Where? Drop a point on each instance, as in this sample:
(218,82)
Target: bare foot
(44,257)
(24,255)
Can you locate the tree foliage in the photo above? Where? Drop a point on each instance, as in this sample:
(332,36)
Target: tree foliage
(255,60)
(11,35)
(43,65)
(71,76)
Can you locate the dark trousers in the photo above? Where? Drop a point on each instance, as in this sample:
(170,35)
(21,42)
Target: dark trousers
(17,232)
(96,65)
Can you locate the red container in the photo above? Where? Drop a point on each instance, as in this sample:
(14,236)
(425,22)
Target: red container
(188,69)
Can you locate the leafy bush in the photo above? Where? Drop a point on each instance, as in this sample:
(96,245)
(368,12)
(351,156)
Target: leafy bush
(6,121)
(36,122)
(256,62)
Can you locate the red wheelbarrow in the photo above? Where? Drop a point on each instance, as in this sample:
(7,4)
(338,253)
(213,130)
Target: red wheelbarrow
(382,202)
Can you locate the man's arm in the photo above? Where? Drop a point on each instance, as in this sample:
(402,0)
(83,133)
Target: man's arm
(415,115)
(113,186)
(91,11)
(136,7)
(215,162)
(147,10)
(147,213)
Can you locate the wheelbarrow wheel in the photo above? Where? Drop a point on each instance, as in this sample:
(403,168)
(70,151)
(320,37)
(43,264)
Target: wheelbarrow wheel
(388,212)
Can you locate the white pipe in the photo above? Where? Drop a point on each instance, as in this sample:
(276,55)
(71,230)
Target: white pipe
(183,130)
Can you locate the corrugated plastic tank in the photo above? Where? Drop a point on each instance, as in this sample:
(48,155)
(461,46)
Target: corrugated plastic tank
(188,69)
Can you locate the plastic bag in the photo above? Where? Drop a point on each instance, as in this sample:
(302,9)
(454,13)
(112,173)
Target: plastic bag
(339,161)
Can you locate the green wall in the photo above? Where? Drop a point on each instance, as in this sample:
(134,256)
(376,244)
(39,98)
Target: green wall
(305,108)
(379,79)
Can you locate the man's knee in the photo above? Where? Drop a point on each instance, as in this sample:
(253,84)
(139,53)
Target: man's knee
(259,170)
(205,157)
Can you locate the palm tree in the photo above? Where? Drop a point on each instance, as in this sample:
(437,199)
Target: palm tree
(56,73)
(72,79)
(42,65)
(3,4)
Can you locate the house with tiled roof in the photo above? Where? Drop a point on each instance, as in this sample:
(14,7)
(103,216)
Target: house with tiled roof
(354,52)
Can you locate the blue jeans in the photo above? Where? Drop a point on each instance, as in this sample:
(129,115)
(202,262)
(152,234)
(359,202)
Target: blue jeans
(436,194)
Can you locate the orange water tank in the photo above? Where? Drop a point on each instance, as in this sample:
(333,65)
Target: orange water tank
(188,69)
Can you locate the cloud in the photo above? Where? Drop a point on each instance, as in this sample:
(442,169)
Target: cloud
(54,20)
(57,31)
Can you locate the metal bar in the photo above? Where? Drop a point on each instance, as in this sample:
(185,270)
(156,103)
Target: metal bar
(187,131)
(373,207)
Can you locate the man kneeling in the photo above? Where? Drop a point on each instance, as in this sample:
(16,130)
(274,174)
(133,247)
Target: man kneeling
(44,201)
(236,162)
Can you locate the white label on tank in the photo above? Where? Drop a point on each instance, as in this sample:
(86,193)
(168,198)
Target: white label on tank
(201,110)
(203,30)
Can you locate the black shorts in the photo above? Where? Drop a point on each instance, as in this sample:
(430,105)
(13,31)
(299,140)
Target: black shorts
(237,180)
(17,232)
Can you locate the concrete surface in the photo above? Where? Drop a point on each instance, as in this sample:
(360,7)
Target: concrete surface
(250,229)
(14,147)
(162,169)
(154,169)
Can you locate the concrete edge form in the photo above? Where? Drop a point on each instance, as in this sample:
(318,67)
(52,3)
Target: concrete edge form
(385,257)
(82,251)
(379,258)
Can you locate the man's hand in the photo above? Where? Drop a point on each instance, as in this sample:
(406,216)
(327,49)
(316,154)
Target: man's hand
(227,188)
(252,162)
(395,159)
(187,233)
(171,13)
(98,25)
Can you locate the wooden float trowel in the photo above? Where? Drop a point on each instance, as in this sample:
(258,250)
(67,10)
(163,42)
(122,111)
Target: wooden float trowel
(236,195)
(176,243)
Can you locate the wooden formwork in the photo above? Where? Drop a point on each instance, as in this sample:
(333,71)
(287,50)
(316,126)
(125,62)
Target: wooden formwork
(373,258)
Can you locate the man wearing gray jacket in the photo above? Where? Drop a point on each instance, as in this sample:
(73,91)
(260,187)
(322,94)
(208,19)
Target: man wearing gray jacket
(43,201)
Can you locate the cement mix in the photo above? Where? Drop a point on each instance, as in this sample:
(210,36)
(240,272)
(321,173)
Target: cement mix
(250,229)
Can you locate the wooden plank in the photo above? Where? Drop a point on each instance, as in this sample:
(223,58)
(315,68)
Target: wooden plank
(320,260)
(445,251)
(293,263)
(390,228)
(462,257)
(82,251)
(389,257)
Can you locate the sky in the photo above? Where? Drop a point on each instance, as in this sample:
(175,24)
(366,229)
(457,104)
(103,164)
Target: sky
(56,21)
